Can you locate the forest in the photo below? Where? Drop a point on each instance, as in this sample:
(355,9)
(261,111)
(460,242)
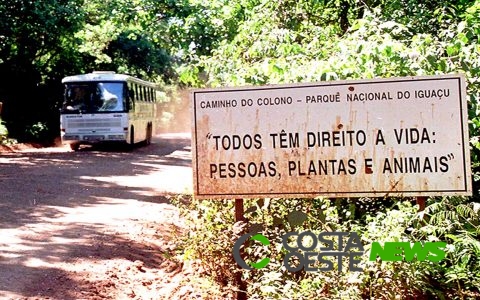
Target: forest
(183,44)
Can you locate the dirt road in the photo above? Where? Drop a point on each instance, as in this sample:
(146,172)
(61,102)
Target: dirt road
(93,224)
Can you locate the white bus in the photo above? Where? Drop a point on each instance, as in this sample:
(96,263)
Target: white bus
(107,107)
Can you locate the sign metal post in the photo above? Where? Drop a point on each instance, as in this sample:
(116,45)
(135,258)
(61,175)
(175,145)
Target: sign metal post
(240,217)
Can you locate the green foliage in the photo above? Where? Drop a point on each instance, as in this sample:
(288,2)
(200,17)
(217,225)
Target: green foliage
(126,37)
(212,241)
(457,221)
(264,51)
(37,132)
(34,38)
(213,232)
(3,132)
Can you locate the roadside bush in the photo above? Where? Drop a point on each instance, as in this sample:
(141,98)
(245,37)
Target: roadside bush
(4,135)
(37,132)
(3,132)
(455,220)
(210,237)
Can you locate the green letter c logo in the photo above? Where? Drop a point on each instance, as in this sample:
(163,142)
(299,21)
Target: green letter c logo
(236,251)
(262,239)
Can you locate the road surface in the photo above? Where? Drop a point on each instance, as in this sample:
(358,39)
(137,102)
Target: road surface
(93,224)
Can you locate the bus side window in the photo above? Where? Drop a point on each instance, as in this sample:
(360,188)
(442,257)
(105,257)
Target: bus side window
(131,95)
(131,104)
(137,94)
(130,92)
(127,97)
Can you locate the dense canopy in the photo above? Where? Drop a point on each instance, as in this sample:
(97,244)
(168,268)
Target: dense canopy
(217,43)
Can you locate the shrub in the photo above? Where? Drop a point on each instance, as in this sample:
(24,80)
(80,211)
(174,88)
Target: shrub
(3,132)
(213,232)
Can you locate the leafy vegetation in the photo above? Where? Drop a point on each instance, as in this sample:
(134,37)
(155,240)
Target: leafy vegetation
(3,132)
(454,220)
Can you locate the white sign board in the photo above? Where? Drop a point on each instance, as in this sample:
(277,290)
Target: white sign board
(386,137)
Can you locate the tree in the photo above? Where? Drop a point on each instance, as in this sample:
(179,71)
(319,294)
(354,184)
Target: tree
(33,38)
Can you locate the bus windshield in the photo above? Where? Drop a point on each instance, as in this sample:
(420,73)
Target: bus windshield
(92,97)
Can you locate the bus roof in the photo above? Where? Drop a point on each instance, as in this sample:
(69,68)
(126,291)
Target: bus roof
(105,76)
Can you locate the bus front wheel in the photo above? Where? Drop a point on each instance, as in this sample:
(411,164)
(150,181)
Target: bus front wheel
(74,146)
